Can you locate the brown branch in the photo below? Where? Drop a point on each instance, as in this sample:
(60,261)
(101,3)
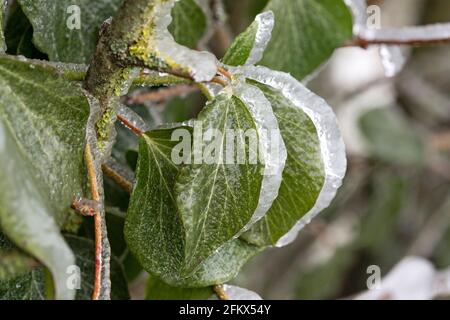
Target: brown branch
(161,95)
(129,125)
(118,178)
(97,222)
(365,43)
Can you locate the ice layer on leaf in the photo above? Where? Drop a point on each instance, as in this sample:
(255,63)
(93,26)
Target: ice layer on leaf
(271,145)
(248,48)
(324,119)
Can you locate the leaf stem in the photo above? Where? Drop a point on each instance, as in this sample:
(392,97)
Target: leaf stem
(220,292)
(117,177)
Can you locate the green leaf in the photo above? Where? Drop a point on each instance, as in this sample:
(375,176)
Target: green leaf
(154,230)
(306,33)
(158,290)
(303,174)
(42,122)
(28,286)
(51,18)
(249,46)
(391,138)
(189,23)
(218,200)
(316,162)
(2,37)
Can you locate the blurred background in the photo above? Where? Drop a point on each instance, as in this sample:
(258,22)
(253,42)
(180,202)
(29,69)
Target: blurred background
(395,200)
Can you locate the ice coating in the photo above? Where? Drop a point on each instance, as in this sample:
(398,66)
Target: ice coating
(393,59)
(238,293)
(324,119)
(132,118)
(430,32)
(358,8)
(271,145)
(266,22)
(202,66)
(99,157)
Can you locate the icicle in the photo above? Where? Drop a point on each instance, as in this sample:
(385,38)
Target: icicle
(266,22)
(324,119)
(238,293)
(132,118)
(393,59)
(271,145)
(202,66)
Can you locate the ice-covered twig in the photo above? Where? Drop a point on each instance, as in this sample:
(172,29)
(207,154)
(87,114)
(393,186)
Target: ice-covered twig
(121,175)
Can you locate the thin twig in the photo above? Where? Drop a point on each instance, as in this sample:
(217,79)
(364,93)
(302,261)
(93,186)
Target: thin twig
(97,222)
(162,94)
(220,292)
(117,177)
(225,73)
(365,43)
(219,81)
(129,125)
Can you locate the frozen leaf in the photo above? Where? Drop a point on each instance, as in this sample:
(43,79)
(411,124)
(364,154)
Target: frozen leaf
(271,147)
(154,219)
(306,33)
(67,30)
(218,193)
(316,156)
(27,286)
(248,48)
(43,119)
(158,49)
(237,293)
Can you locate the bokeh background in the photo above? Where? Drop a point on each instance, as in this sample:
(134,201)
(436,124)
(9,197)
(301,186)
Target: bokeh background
(395,200)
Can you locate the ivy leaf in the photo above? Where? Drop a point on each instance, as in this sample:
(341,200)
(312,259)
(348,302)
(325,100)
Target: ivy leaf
(249,46)
(42,122)
(2,37)
(51,20)
(390,138)
(27,286)
(316,161)
(154,230)
(306,33)
(158,290)
(218,200)
(189,23)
